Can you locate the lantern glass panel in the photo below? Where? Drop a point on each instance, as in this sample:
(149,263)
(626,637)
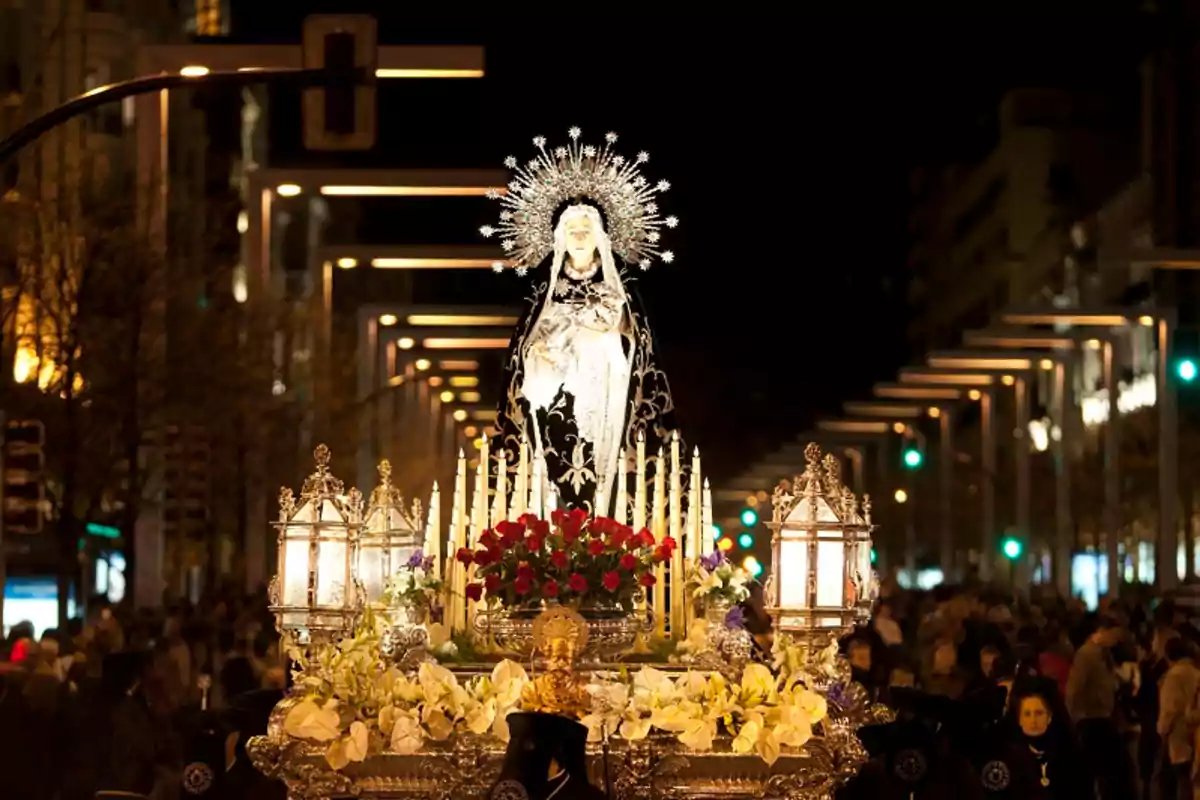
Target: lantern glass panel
(401,555)
(295,566)
(864,559)
(831,573)
(332,568)
(793,573)
(370,570)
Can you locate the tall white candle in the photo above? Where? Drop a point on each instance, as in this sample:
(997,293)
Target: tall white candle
(433,530)
(694,515)
(659,523)
(535,489)
(639,488)
(501,505)
(458,584)
(521,490)
(708,544)
(622,494)
(675,522)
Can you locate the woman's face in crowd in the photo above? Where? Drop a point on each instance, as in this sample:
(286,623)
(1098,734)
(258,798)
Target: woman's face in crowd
(1034,717)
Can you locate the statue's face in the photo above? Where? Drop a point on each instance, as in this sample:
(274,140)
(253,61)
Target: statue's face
(581,241)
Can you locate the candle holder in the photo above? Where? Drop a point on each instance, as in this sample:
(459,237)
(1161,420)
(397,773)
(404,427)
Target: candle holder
(315,595)
(821,582)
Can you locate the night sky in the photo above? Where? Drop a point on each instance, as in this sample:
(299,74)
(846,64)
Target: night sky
(787,141)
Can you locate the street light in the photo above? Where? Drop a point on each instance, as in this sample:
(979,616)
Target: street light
(913,458)
(900,496)
(1011,548)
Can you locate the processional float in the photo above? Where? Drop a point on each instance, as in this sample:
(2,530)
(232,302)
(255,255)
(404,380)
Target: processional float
(577,574)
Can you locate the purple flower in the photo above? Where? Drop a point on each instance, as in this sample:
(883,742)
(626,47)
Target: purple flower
(427,564)
(713,560)
(837,695)
(735,619)
(416,559)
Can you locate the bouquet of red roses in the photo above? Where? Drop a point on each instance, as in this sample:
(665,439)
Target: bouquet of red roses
(570,558)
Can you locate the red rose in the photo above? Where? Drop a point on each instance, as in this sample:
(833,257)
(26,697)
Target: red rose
(491,583)
(647,580)
(534,542)
(522,585)
(557,516)
(527,520)
(570,528)
(603,525)
(540,528)
(577,583)
(474,591)
(618,539)
(669,543)
(484,557)
(509,538)
(646,537)
(550,589)
(629,562)
(488,539)
(464,555)
(596,547)
(612,580)
(661,554)
(559,559)
(525,571)
(512,529)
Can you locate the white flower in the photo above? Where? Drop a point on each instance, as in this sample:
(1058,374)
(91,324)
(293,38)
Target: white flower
(351,747)
(794,728)
(758,686)
(308,720)
(407,734)
(480,718)
(508,681)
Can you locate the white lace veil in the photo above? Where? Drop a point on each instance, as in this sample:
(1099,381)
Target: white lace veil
(608,265)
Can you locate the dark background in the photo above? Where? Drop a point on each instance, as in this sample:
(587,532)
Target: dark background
(787,135)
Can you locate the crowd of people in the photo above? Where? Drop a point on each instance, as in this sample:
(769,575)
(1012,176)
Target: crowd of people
(1034,698)
(154,702)
(1076,704)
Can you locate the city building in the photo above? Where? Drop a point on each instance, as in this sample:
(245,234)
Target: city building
(972,228)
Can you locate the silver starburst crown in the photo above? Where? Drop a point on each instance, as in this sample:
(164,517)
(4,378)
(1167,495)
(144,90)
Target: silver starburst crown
(579,171)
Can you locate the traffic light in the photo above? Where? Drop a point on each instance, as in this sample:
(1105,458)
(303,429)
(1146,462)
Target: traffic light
(746,541)
(1186,369)
(913,457)
(341,116)
(749,517)
(24,466)
(1011,548)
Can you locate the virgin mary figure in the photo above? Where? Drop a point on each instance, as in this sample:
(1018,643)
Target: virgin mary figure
(582,375)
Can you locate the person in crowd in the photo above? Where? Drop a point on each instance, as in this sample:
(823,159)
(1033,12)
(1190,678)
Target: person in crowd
(862,668)
(943,675)
(885,625)
(1091,701)
(1177,718)
(1039,723)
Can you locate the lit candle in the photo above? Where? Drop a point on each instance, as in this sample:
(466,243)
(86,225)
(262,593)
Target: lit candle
(485,480)
(622,496)
(706,522)
(521,490)
(501,510)
(639,489)
(659,523)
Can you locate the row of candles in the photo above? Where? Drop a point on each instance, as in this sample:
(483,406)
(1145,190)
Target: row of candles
(656,503)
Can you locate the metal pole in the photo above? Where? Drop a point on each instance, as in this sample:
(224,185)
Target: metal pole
(987,417)
(945,494)
(1112,486)
(1168,461)
(1021,567)
(1062,492)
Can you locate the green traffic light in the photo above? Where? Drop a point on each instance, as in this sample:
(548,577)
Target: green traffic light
(913,458)
(749,517)
(1011,549)
(746,541)
(874,555)
(1186,369)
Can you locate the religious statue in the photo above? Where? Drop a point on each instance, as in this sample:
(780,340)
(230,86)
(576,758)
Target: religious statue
(582,375)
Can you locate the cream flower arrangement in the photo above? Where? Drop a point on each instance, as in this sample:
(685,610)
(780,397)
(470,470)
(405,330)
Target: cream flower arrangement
(715,578)
(354,706)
